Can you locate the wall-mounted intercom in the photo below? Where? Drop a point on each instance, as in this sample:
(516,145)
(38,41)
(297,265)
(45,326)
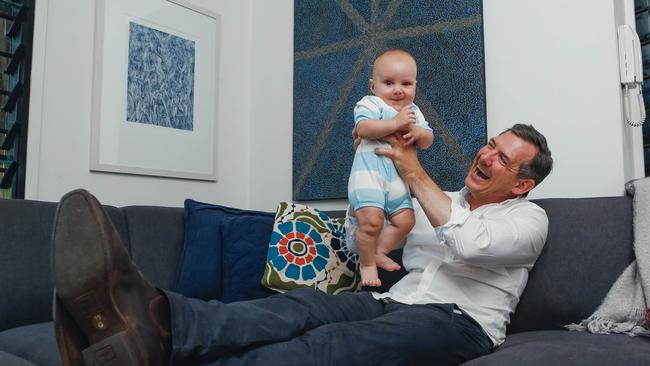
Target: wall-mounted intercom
(631,74)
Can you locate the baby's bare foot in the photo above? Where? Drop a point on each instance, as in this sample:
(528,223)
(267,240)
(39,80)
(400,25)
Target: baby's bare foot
(383,261)
(369,276)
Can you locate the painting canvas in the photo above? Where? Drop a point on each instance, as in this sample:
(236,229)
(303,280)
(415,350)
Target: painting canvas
(160,83)
(335,43)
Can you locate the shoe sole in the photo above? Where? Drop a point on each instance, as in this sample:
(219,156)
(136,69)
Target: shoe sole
(82,266)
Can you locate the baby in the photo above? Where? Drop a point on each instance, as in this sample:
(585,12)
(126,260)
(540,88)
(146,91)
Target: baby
(375,189)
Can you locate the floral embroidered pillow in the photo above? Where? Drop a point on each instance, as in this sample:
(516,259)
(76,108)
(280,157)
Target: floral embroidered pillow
(307,249)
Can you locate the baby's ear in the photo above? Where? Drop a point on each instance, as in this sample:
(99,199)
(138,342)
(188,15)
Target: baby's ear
(371,85)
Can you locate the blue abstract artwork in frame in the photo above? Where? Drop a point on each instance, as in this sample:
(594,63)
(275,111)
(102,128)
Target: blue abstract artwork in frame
(335,43)
(160,86)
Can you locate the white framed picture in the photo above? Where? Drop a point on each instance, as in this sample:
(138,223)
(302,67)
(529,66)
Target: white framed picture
(155,87)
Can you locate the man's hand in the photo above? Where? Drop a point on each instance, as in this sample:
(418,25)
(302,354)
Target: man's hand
(435,203)
(356,139)
(404,156)
(404,120)
(419,136)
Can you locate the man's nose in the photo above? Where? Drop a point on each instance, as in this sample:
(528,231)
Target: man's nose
(488,158)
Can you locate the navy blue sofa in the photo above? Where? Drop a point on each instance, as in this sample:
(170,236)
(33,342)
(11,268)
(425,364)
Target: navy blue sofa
(589,245)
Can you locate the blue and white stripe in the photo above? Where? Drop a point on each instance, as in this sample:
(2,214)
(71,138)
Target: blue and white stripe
(374,181)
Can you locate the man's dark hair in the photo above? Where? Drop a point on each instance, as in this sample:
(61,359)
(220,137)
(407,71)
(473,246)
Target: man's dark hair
(542,163)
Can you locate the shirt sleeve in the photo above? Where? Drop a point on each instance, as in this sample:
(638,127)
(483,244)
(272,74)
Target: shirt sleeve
(419,118)
(512,238)
(366,108)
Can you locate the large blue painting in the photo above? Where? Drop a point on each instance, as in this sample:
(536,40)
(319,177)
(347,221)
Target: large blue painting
(160,89)
(335,42)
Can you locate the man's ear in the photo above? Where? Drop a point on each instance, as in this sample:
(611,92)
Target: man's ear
(523,186)
(371,85)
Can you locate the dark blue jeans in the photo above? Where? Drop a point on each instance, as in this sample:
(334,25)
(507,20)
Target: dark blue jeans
(309,327)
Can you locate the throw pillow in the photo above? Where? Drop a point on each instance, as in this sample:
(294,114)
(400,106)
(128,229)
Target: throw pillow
(308,249)
(200,270)
(244,240)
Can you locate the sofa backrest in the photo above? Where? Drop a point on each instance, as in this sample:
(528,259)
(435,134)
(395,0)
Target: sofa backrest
(157,236)
(589,244)
(25,280)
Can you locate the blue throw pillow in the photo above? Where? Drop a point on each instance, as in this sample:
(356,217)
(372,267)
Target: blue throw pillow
(244,240)
(200,265)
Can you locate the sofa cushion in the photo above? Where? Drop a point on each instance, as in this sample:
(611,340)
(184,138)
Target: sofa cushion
(200,265)
(558,347)
(7,359)
(35,343)
(244,239)
(589,244)
(308,249)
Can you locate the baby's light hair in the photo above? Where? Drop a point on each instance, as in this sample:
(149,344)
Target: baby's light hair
(384,52)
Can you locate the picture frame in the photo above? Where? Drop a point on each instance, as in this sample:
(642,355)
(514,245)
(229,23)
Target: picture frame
(155,89)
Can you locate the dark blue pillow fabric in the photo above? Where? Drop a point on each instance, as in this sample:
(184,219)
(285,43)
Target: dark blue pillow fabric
(200,265)
(245,244)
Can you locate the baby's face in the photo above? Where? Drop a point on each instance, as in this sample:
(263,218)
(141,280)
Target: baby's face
(394,79)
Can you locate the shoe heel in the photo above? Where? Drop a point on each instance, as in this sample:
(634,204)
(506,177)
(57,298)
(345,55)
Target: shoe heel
(115,350)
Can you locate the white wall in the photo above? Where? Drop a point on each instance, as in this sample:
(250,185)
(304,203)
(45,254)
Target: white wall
(557,68)
(60,107)
(550,63)
(272,103)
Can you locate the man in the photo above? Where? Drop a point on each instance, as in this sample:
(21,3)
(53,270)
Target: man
(465,278)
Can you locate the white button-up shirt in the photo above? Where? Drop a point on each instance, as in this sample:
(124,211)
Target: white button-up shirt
(478,260)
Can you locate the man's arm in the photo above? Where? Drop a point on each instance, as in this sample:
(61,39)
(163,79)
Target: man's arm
(435,203)
(515,238)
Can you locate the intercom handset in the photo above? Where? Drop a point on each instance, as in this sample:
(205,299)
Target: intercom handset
(631,74)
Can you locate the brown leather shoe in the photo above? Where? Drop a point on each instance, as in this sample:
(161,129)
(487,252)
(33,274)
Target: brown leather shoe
(105,312)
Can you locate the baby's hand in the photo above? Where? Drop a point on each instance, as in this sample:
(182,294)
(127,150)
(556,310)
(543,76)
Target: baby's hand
(405,120)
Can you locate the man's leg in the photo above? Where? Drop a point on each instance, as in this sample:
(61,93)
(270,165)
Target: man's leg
(204,331)
(107,313)
(431,334)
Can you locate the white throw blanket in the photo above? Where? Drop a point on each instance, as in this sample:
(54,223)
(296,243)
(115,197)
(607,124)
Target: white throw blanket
(623,310)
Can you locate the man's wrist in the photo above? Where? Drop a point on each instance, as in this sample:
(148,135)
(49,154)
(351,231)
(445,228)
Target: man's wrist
(414,176)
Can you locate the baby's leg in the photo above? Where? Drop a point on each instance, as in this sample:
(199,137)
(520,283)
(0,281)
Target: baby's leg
(401,223)
(371,221)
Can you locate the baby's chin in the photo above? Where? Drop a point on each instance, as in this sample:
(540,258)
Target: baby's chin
(398,106)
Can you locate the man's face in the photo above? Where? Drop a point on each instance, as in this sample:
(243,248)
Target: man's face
(493,175)
(394,79)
